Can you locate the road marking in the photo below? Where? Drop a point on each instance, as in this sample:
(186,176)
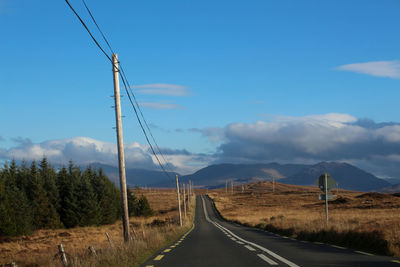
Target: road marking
(265,258)
(318,243)
(396,261)
(276,256)
(159,257)
(249,248)
(149,265)
(172,246)
(338,247)
(167,250)
(240,242)
(234,239)
(364,253)
(291,264)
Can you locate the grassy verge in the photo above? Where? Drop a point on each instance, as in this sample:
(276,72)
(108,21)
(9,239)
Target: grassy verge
(141,248)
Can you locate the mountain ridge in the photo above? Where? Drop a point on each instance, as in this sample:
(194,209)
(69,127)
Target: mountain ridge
(347,175)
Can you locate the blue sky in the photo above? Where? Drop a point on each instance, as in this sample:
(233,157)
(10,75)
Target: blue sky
(201,67)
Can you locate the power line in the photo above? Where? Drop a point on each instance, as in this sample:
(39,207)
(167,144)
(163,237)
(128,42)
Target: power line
(129,86)
(144,132)
(87,29)
(98,27)
(126,84)
(145,121)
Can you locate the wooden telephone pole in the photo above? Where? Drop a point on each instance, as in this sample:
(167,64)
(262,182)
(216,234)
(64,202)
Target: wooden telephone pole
(184,200)
(121,157)
(326,198)
(179,201)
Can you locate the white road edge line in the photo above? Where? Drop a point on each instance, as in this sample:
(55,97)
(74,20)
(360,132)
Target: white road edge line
(291,264)
(265,258)
(249,248)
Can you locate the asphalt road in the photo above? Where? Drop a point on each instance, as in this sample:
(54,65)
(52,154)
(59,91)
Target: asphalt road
(215,242)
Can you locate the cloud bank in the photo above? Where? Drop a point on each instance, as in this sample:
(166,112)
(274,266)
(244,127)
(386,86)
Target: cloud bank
(374,147)
(330,137)
(84,150)
(389,69)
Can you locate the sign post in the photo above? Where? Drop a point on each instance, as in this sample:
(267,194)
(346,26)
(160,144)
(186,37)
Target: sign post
(326,198)
(325,183)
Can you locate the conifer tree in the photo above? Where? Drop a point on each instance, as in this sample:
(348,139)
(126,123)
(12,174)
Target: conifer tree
(68,209)
(89,209)
(144,207)
(132,203)
(44,213)
(49,177)
(107,196)
(15,212)
(23,176)
(7,226)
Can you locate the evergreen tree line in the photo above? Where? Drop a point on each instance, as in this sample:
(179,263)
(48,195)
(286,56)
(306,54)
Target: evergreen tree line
(39,197)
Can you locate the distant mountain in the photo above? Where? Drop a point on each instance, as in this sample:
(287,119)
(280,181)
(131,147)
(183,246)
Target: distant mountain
(140,177)
(216,175)
(392,181)
(346,175)
(394,188)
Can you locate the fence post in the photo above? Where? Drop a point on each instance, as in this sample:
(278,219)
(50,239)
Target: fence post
(63,257)
(92,250)
(109,240)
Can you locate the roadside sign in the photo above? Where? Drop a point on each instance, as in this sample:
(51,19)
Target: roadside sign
(321,182)
(322,197)
(325,183)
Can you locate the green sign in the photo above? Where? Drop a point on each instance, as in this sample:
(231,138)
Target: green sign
(321,182)
(323,197)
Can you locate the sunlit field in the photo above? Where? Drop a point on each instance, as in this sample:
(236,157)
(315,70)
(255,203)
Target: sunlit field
(369,221)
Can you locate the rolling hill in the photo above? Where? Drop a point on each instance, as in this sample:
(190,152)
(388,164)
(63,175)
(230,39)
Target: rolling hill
(347,176)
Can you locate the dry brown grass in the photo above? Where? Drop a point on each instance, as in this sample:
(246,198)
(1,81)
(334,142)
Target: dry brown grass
(370,221)
(152,233)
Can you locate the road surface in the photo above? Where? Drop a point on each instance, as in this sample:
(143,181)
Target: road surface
(215,242)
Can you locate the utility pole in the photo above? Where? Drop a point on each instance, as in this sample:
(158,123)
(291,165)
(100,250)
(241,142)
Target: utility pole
(184,199)
(326,197)
(273,184)
(190,189)
(121,157)
(179,201)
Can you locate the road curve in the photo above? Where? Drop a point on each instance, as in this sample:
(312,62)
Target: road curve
(215,242)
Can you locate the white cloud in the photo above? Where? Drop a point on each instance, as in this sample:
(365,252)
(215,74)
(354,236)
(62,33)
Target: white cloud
(162,89)
(327,137)
(84,150)
(389,133)
(156,105)
(390,69)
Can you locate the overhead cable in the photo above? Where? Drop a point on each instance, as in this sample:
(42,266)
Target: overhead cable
(126,85)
